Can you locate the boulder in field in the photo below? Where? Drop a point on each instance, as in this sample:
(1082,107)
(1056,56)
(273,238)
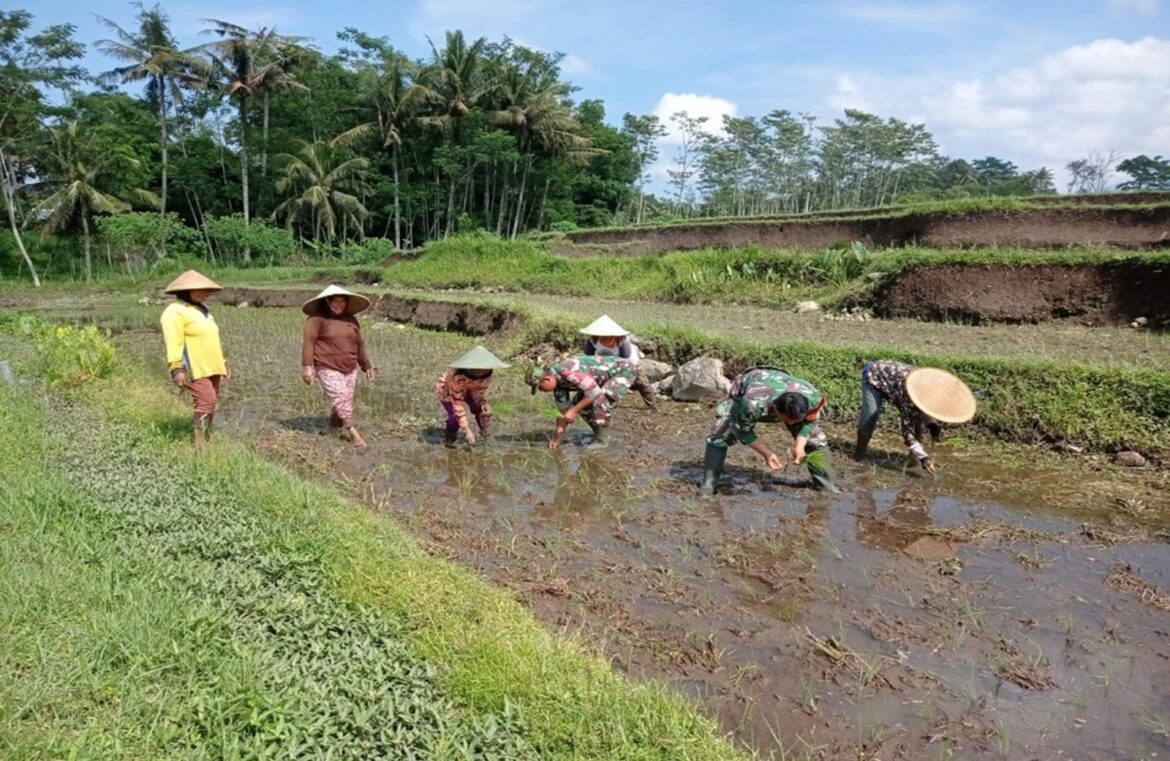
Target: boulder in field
(807,306)
(655,370)
(664,387)
(1129,459)
(700,380)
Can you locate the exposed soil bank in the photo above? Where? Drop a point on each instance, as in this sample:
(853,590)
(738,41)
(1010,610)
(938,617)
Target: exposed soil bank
(1034,228)
(472,319)
(1099,294)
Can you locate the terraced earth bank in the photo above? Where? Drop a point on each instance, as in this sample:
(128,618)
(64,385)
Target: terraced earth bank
(1094,294)
(1136,227)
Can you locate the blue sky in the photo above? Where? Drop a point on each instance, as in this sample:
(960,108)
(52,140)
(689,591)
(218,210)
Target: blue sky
(1039,82)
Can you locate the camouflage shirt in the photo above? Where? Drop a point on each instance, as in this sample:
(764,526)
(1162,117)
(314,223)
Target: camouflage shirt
(754,392)
(594,376)
(889,379)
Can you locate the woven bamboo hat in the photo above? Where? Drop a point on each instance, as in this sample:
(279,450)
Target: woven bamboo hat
(940,395)
(192,281)
(479,358)
(356,302)
(604,326)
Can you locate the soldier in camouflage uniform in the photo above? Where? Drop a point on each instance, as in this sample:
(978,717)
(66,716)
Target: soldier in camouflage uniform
(769,394)
(585,386)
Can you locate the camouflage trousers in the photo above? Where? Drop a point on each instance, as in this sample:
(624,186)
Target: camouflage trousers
(723,434)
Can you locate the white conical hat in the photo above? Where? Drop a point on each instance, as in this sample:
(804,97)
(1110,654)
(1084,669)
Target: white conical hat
(479,358)
(940,395)
(604,326)
(357,303)
(192,281)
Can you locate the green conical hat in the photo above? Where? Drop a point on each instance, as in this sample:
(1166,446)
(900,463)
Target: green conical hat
(479,358)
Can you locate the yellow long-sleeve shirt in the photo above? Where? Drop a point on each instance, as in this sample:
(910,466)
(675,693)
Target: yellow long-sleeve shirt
(192,340)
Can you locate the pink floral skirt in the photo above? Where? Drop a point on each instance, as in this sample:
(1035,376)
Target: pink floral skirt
(340,388)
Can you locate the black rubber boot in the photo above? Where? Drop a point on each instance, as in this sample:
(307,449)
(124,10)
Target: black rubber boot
(600,436)
(713,460)
(450,437)
(862,446)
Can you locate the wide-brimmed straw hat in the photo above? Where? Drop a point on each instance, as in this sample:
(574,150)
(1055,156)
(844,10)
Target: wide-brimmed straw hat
(604,326)
(940,395)
(355,302)
(479,358)
(192,281)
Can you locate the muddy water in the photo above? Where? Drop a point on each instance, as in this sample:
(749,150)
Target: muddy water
(1002,611)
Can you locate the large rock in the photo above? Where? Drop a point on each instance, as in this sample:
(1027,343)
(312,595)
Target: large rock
(700,380)
(807,306)
(655,370)
(664,387)
(1130,459)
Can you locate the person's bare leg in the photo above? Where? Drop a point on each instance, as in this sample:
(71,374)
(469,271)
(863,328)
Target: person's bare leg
(356,437)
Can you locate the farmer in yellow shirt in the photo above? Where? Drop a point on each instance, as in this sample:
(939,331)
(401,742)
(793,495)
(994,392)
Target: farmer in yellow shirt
(194,355)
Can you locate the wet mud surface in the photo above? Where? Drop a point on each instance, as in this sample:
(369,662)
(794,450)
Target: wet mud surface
(1010,609)
(1032,228)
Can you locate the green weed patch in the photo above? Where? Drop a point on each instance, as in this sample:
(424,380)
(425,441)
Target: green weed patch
(218,606)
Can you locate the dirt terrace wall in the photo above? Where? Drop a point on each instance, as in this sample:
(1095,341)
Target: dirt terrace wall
(433,315)
(1033,228)
(1103,294)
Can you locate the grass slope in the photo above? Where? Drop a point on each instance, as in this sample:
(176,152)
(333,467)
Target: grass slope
(158,604)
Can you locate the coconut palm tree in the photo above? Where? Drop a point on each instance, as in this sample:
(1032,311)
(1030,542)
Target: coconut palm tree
(80,175)
(247,64)
(392,95)
(150,54)
(329,184)
(458,76)
(532,104)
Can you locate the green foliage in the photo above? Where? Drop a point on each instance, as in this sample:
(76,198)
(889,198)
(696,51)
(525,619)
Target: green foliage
(266,244)
(137,238)
(67,355)
(369,251)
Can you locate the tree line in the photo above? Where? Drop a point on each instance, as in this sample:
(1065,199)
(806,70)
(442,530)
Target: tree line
(256,147)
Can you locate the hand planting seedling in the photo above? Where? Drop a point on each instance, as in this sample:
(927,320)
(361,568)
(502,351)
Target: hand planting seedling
(462,391)
(589,387)
(769,393)
(924,397)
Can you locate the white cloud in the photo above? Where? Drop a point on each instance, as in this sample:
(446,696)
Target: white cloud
(1140,7)
(576,66)
(1107,94)
(696,106)
(910,13)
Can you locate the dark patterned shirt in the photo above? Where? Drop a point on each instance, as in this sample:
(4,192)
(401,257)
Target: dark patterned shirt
(889,379)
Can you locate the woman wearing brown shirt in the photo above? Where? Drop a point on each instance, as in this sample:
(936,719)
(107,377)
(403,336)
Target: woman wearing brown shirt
(332,352)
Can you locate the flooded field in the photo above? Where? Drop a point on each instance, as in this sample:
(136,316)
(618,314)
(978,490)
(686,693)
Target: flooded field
(1016,607)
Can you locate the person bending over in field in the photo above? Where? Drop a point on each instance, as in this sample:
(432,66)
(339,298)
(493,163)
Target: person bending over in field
(194,354)
(924,397)
(605,338)
(332,351)
(586,386)
(462,390)
(769,394)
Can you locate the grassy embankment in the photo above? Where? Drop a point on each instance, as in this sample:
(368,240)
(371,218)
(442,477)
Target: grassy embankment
(748,275)
(161,605)
(1139,201)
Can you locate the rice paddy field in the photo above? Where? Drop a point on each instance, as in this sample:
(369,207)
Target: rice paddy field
(287,593)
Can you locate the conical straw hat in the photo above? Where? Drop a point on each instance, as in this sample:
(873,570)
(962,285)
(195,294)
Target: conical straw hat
(604,326)
(192,281)
(940,395)
(479,358)
(357,303)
